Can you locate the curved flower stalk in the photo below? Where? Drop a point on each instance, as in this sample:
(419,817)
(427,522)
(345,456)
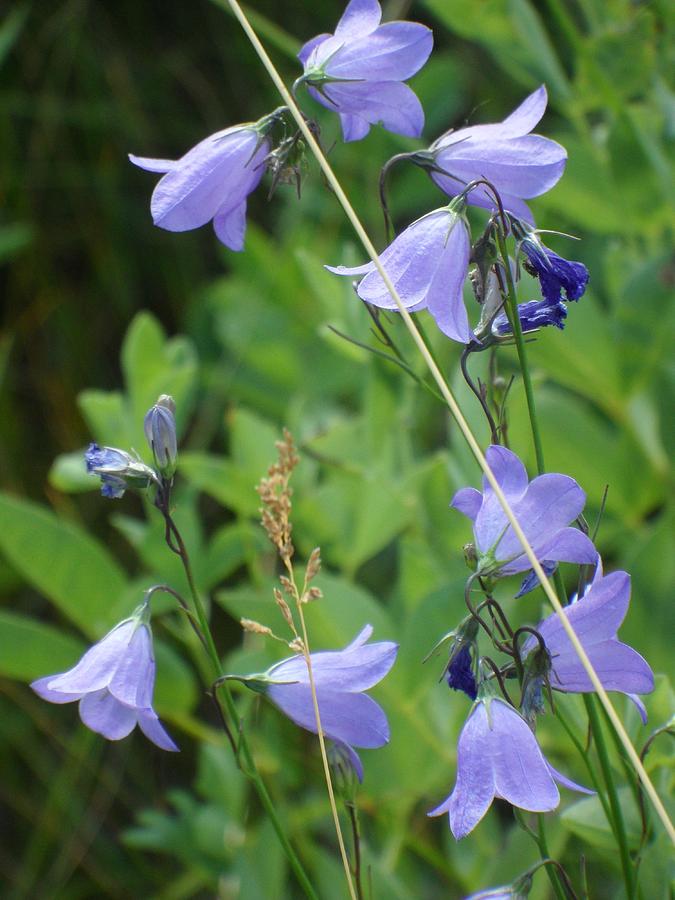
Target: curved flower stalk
(518,164)
(596,618)
(210,182)
(498,756)
(113,683)
(544,508)
(428,264)
(348,716)
(359,71)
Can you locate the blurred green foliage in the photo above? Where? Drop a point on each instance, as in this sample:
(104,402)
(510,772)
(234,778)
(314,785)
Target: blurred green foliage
(104,313)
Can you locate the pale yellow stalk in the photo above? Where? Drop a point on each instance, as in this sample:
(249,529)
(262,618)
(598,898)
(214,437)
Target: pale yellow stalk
(457,415)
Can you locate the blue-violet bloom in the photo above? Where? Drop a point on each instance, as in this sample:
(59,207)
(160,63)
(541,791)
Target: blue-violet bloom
(113,683)
(428,265)
(210,182)
(498,756)
(556,275)
(118,470)
(596,618)
(160,432)
(519,165)
(533,315)
(359,71)
(544,508)
(348,716)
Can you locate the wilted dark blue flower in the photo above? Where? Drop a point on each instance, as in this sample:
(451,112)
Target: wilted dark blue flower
(543,507)
(556,275)
(160,432)
(348,716)
(428,265)
(498,756)
(459,673)
(113,682)
(533,315)
(520,165)
(359,71)
(211,181)
(531,580)
(596,618)
(117,470)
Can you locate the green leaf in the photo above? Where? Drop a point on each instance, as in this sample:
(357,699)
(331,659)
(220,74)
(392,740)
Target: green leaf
(63,562)
(29,649)
(586,818)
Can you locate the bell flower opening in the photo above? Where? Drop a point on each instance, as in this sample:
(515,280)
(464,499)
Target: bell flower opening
(359,71)
(113,683)
(428,265)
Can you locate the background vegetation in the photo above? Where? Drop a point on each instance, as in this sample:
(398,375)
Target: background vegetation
(104,312)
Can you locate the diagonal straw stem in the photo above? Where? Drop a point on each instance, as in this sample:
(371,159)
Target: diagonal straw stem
(456,413)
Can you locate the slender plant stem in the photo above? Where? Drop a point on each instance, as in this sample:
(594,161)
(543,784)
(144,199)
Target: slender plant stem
(553,876)
(617,814)
(240,744)
(356,837)
(455,411)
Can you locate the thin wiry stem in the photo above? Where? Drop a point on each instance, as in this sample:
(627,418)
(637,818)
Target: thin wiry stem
(456,413)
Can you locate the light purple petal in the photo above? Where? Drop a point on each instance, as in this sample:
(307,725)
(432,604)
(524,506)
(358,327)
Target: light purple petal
(474,788)
(153,729)
(364,635)
(230,226)
(310,46)
(353,128)
(445,298)
(351,718)
(97,667)
(570,545)
(467,501)
(641,708)
(567,782)
(354,760)
(105,715)
(41,689)
(508,470)
(596,617)
(618,666)
(394,52)
(359,18)
(388,103)
(152,165)
(134,677)
(480,196)
(218,172)
(349,670)
(521,773)
(523,119)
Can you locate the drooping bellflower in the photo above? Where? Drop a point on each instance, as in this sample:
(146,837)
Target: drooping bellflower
(596,618)
(544,508)
(210,182)
(348,715)
(359,71)
(519,165)
(556,275)
(427,264)
(113,683)
(533,315)
(118,470)
(498,756)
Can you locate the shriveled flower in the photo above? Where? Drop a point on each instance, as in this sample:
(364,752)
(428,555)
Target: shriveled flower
(348,716)
(543,507)
(520,165)
(556,275)
(533,315)
(359,71)
(428,265)
(498,756)
(118,470)
(596,618)
(113,683)
(210,182)
(160,432)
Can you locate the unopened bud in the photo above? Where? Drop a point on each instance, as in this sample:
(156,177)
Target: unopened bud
(160,432)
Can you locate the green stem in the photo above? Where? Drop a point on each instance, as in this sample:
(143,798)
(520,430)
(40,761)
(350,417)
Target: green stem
(542,843)
(514,319)
(249,769)
(619,825)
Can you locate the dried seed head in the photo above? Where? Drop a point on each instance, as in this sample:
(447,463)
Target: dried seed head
(297,645)
(313,564)
(254,627)
(284,608)
(314,593)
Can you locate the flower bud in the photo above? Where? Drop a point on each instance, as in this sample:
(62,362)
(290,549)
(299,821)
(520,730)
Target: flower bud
(160,431)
